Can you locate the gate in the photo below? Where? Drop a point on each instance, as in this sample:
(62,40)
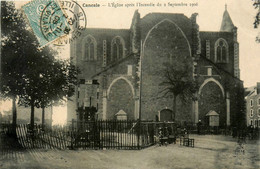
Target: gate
(165,114)
(107,134)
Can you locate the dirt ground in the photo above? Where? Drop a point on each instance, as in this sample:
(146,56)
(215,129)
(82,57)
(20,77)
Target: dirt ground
(210,151)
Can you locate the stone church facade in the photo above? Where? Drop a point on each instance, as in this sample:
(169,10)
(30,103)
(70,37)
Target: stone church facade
(116,63)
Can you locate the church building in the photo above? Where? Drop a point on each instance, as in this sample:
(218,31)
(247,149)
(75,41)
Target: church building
(122,69)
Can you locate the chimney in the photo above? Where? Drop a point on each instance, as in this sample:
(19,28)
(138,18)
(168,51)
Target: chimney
(258,88)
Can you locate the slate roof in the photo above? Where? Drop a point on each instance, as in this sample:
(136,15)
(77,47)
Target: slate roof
(227,24)
(218,67)
(250,91)
(212,113)
(120,113)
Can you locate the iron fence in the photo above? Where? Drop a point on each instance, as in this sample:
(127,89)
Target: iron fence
(116,134)
(99,134)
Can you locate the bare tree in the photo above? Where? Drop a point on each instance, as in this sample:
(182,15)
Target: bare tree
(179,82)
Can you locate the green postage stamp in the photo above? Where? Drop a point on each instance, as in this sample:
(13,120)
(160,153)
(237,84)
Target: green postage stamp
(47,20)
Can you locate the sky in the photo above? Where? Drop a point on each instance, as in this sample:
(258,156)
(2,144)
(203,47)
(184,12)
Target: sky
(210,15)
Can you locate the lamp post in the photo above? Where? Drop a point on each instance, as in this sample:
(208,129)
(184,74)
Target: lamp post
(140,96)
(140,89)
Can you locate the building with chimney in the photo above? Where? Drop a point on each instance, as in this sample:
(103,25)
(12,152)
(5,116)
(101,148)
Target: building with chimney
(122,69)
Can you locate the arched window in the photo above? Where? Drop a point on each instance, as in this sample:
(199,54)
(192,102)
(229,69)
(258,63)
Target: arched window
(218,54)
(89,48)
(251,113)
(117,48)
(221,51)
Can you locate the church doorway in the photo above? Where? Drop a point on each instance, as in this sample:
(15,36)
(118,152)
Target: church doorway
(120,97)
(165,115)
(211,98)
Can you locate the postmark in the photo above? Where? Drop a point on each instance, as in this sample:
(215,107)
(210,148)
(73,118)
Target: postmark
(77,21)
(53,23)
(47,20)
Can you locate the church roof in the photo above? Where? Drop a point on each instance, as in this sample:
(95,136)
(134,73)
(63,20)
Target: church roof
(227,24)
(204,59)
(250,91)
(120,113)
(212,113)
(116,63)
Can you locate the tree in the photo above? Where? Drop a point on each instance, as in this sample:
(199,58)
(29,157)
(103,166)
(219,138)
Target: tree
(57,83)
(12,32)
(47,81)
(257,17)
(28,73)
(22,65)
(256,4)
(240,116)
(179,83)
(45,92)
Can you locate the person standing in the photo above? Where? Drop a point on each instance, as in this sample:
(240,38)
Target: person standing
(199,126)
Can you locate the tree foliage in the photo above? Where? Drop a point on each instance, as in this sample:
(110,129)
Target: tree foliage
(257,17)
(240,116)
(12,26)
(11,50)
(31,74)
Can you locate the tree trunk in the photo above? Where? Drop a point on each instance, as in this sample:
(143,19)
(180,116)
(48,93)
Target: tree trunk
(13,131)
(32,115)
(43,117)
(174,107)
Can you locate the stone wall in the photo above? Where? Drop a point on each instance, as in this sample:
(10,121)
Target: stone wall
(230,84)
(166,38)
(118,89)
(211,38)
(166,43)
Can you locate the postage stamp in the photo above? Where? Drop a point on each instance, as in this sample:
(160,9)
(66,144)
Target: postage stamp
(47,20)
